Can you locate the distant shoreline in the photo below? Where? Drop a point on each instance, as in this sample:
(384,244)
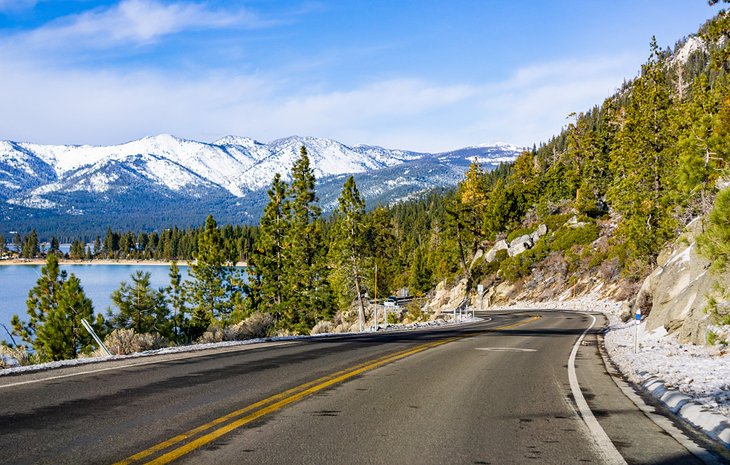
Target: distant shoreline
(66,261)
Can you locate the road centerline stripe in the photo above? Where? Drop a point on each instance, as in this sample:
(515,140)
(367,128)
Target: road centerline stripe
(282,395)
(245,415)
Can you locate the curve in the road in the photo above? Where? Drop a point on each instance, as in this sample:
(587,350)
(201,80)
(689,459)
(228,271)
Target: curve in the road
(248,414)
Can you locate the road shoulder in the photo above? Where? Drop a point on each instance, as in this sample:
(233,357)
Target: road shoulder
(638,430)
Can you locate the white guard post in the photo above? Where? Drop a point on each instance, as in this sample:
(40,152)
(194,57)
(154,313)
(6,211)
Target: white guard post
(636,333)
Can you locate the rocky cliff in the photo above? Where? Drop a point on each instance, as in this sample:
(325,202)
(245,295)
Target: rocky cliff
(675,294)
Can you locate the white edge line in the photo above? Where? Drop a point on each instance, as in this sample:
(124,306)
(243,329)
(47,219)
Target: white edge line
(196,354)
(660,420)
(189,355)
(611,454)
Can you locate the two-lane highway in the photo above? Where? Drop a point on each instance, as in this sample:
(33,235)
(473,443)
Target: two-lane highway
(491,392)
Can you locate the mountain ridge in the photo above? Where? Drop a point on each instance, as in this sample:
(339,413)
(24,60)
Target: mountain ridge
(228,177)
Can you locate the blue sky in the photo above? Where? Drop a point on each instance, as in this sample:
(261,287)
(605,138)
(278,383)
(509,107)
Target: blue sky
(420,75)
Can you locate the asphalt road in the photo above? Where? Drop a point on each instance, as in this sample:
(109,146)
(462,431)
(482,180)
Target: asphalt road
(495,392)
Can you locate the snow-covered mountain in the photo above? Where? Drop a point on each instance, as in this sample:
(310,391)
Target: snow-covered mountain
(162,180)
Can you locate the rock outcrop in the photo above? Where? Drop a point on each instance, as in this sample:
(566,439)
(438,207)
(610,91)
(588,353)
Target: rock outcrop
(674,295)
(517,245)
(492,253)
(446,300)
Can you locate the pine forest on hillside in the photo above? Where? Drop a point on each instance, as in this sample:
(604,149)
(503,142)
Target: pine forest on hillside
(615,186)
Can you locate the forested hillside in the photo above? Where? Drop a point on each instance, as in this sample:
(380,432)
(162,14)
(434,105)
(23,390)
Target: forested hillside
(592,207)
(634,171)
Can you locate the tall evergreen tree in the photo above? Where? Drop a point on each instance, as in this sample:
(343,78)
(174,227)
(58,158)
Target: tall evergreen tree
(381,246)
(642,188)
(420,280)
(210,290)
(30,245)
(176,298)
(348,249)
(307,295)
(55,306)
(54,246)
(63,336)
(267,261)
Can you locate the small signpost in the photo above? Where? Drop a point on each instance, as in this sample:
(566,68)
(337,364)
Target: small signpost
(480,296)
(636,333)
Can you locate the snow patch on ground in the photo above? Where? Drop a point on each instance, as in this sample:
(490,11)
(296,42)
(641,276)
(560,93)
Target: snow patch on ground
(14,370)
(703,373)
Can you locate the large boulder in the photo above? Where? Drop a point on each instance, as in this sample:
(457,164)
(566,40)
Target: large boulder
(477,256)
(538,233)
(446,300)
(675,294)
(492,253)
(519,245)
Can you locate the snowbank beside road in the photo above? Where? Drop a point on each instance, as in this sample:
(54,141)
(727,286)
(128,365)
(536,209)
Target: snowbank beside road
(701,373)
(218,345)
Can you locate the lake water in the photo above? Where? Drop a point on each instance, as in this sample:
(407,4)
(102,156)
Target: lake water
(98,281)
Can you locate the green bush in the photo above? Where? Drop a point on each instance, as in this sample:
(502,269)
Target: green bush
(483,268)
(501,256)
(514,268)
(565,238)
(554,222)
(415,312)
(712,338)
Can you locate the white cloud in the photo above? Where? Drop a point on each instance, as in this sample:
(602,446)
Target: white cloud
(57,105)
(133,22)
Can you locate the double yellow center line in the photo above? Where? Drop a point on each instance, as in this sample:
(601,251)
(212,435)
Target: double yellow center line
(238,418)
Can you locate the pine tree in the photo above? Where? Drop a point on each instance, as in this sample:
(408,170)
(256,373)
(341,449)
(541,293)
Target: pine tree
(30,245)
(699,143)
(267,261)
(140,307)
(715,241)
(17,243)
(306,288)
(641,190)
(210,290)
(97,246)
(54,247)
(62,336)
(381,246)
(177,301)
(347,249)
(42,299)
(55,307)
(420,280)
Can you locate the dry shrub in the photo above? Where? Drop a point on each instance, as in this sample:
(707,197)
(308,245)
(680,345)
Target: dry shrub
(256,326)
(323,327)
(13,356)
(214,333)
(126,341)
(609,269)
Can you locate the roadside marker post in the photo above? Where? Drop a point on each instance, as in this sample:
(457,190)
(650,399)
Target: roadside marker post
(636,333)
